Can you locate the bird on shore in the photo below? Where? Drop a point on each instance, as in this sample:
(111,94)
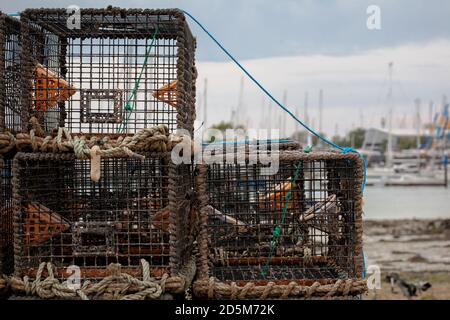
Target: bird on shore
(409,290)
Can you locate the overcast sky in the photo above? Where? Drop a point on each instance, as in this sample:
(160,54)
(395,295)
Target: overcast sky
(307,45)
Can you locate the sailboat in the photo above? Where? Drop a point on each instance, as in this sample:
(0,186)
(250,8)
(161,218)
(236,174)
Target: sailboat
(427,164)
(416,167)
(379,175)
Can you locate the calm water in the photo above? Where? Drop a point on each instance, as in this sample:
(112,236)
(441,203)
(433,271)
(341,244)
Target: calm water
(406,202)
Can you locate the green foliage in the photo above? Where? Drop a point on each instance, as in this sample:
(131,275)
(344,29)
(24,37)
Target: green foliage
(223,126)
(302,136)
(384,146)
(354,139)
(408,143)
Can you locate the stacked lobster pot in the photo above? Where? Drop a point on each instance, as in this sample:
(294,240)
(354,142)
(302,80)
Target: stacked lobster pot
(6,215)
(293,230)
(10,123)
(92,104)
(98,196)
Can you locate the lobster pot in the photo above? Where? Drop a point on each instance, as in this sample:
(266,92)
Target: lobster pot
(10,79)
(294,231)
(6,217)
(109,70)
(138,210)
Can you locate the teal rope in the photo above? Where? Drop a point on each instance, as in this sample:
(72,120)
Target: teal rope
(249,75)
(129,106)
(364,265)
(277,230)
(260,85)
(278,103)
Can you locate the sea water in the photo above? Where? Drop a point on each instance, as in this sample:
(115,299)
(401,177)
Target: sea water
(406,202)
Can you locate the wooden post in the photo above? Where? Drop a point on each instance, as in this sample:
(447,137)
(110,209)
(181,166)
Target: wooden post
(445,164)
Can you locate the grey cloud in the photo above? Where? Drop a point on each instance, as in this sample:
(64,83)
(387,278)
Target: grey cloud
(266,28)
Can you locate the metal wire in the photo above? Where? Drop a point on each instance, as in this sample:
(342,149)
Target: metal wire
(10,76)
(317,239)
(6,217)
(104,59)
(65,218)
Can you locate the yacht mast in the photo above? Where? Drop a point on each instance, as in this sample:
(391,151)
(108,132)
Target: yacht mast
(320,114)
(417,123)
(390,106)
(205,105)
(240,103)
(283,128)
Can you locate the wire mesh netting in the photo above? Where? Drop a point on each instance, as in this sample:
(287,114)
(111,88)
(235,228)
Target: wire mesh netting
(6,217)
(10,76)
(301,223)
(116,71)
(138,210)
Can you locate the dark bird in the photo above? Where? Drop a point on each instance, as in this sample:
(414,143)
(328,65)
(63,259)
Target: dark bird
(409,290)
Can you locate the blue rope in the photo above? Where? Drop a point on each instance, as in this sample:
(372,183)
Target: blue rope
(364,266)
(319,136)
(260,85)
(348,150)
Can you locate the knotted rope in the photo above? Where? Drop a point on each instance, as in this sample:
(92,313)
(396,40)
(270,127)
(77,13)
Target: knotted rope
(3,284)
(116,286)
(212,288)
(7,142)
(156,139)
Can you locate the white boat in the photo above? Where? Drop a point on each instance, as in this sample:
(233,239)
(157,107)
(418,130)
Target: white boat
(378,176)
(420,179)
(409,177)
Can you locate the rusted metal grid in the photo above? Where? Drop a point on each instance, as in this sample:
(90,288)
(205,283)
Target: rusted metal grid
(10,79)
(105,75)
(138,210)
(6,217)
(248,250)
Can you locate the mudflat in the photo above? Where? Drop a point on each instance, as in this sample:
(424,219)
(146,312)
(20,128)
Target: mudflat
(418,250)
